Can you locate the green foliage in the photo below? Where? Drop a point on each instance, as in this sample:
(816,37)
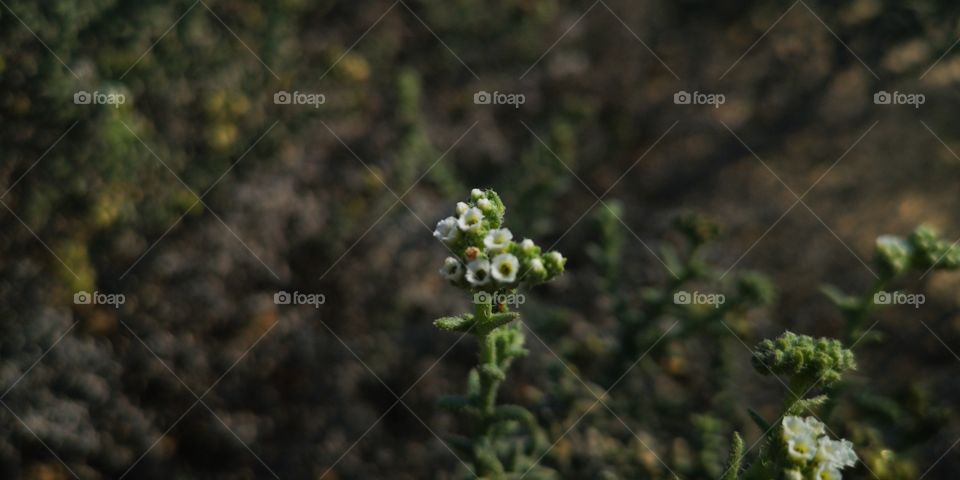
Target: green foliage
(803,359)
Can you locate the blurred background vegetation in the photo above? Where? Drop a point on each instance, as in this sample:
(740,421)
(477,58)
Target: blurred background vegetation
(198,198)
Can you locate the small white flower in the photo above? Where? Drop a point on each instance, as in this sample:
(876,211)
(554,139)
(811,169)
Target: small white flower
(836,453)
(498,239)
(484,204)
(476,194)
(471,219)
(452,269)
(794,427)
(478,272)
(446,230)
(462,207)
(505,268)
(801,448)
(827,472)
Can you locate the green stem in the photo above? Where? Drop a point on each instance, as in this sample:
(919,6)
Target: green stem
(860,315)
(486,460)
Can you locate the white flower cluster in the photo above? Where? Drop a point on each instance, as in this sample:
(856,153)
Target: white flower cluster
(812,454)
(487,258)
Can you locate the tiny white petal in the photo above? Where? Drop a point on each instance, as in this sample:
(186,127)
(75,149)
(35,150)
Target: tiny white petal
(476,193)
(461,207)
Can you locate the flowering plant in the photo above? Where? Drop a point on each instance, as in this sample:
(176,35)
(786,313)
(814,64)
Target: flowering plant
(491,265)
(802,450)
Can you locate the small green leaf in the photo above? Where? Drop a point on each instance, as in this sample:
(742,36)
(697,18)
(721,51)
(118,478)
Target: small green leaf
(806,405)
(762,423)
(841,300)
(736,456)
(497,320)
(455,324)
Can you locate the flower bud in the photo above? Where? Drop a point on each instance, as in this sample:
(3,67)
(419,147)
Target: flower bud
(554,262)
(810,360)
(893,254)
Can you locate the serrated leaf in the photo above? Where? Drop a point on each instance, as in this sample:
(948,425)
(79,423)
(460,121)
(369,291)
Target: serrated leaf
(806,405)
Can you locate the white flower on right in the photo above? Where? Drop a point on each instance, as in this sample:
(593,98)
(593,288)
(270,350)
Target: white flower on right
(505,268)
(446,230)
(470,219)
(478,272)
(498,239)
(836,453)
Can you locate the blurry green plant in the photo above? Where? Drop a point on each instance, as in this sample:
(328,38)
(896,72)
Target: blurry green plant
(801,450)
(924,250)
(907,417)
(489,264)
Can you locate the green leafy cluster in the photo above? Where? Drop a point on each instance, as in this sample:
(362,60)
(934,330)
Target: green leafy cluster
(923,249)
(802,450)
(804,358)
